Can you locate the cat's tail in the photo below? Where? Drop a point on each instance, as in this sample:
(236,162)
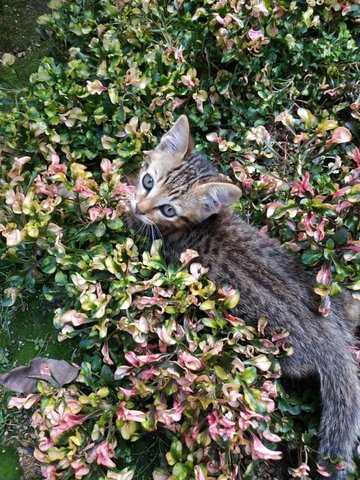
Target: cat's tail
(340,394)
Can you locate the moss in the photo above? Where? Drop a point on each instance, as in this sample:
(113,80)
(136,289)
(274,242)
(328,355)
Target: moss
(9,464)
(18,35)
(25,332)
(28,332)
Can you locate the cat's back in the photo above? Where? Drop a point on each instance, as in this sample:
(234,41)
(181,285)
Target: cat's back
(269,278)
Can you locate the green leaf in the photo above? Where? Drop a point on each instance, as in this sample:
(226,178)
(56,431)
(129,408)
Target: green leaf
(248,375)
(48,264)
(311,257)
(180,471)
(220,373)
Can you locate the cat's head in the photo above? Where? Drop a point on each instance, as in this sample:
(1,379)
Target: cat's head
(177,187)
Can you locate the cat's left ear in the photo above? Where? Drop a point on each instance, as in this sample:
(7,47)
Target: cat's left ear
(215,196)
(178,138)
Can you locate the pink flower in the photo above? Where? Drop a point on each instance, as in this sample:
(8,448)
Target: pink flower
(105,354)
(187,256)
(43,187)
(125,474)
(258,450)
(343,206)
(334,91)
(190,80)
(99,212)
(122,371)
(149,373)
(168,417)
(190,361)
(249,417)
(140,360)
(259,135)
(302,471)
(323,275)
(26,402)
(55,166)
(68,422)
(271,436)
(130,415)
(45,443)
(303,186)
(81,188)
(20,161)
(104,452)
(213,421)
(199,473)
(142,302)
(95,87)
(323,472)
(255,34)
(342,191)
(176,102)
(123,190)
(243,174)
(128,393)
(339,135)
(301,137)
(106,165)
(80,469)
(164,336)
(319,233)
(285,118)
(73,317)
(355,155)
(272,207)
(94,213)
(260,9)
(49,472)
(279,336)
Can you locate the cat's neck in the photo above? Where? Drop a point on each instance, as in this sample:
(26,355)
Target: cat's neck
(195,236)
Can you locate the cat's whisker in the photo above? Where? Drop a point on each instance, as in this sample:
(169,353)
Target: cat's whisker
(159,232)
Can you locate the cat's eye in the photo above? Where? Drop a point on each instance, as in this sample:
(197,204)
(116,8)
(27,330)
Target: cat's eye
(167,211)
(148,182)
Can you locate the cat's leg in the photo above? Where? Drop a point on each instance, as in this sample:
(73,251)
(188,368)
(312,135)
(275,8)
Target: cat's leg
(331,358)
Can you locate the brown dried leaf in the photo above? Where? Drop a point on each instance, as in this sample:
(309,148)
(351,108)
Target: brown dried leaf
(24,379)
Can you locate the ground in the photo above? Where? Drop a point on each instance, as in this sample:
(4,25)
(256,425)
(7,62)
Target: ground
(26,331)
(18,36)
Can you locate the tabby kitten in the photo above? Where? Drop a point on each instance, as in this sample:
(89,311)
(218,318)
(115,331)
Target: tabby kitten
(182,197)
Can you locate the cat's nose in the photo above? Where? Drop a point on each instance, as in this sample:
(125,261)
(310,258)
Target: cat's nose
(138,211)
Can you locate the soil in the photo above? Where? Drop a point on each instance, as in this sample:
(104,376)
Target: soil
(18,35)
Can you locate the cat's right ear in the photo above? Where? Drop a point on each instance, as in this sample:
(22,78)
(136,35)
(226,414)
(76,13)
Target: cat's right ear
(178,139)
(215,196)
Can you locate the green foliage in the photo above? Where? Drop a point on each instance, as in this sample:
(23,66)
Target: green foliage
(272,92)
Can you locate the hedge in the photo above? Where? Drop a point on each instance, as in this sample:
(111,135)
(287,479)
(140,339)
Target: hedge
(272,93)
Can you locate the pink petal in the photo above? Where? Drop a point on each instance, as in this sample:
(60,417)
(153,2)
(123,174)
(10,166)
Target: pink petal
(259,450)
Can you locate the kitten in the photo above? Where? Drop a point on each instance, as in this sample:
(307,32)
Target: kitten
(182,197)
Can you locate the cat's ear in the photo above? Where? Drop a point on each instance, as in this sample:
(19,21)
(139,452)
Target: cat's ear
(215,196)
(178,138)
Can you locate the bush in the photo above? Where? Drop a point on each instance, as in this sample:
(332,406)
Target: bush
(272,94)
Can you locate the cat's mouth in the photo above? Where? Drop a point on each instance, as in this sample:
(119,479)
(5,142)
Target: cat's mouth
(141,217)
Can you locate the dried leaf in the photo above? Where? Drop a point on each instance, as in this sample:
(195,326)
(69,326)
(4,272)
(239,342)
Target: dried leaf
(55,372)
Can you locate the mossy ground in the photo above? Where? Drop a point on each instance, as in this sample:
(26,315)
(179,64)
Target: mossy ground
(25,331)
(18,35)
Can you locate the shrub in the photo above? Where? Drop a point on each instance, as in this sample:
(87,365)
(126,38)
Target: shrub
(271,91)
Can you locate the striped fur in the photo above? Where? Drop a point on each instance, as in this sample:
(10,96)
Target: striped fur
(271,281)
